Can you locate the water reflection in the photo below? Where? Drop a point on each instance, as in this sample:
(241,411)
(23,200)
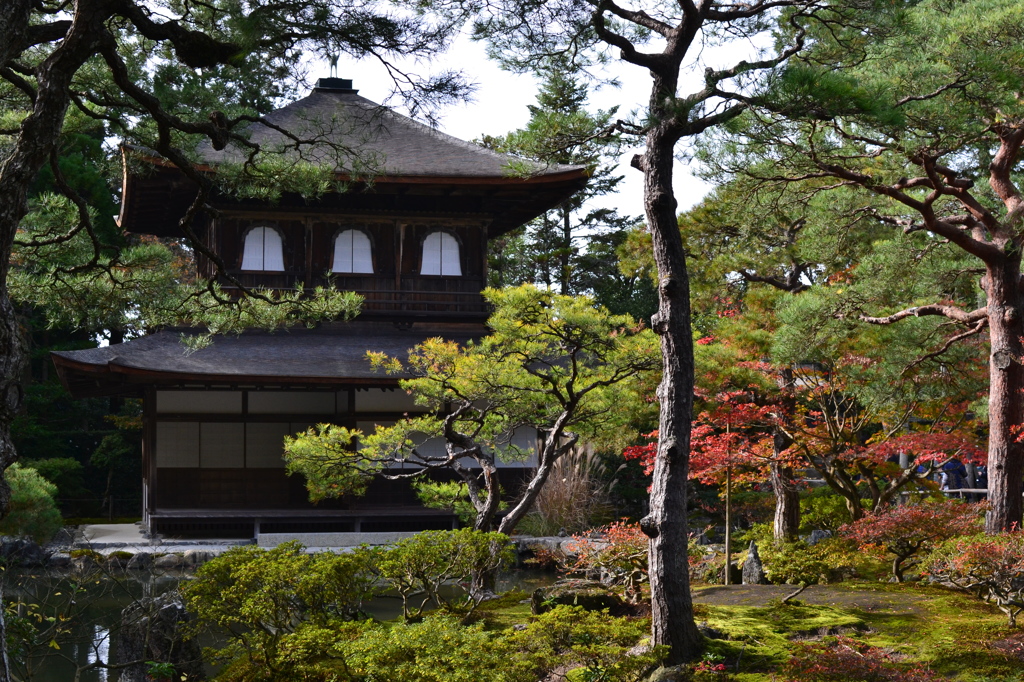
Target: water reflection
(69,622)
(99,650)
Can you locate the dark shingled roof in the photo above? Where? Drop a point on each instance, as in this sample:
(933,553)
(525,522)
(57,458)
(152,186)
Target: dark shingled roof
(333,354)
(336,119)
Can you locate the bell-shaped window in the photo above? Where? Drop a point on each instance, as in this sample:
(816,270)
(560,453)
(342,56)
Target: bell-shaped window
(441,255)
(352,252)
(263,250)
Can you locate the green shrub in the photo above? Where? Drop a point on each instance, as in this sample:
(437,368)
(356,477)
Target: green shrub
(33,512)
(438,649)
(797,562)
(592,642)
(88,553)
(591,646)
(258,597)
(822,509)
(420,565)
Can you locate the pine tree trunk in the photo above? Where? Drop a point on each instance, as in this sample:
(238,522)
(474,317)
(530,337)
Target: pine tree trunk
(672,621)
(1006,404)
(10,388)
(787,503)
(786,524)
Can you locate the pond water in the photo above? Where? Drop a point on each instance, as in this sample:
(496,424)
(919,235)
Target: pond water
(77,620)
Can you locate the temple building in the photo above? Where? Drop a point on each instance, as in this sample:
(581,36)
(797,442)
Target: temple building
(410,236)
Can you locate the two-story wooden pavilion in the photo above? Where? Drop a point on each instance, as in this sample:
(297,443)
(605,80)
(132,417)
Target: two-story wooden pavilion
(413,241)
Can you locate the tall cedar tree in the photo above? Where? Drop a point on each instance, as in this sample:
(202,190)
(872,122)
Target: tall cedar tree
(551,249)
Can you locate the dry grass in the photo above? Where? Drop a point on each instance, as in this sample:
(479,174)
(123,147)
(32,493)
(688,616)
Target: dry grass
(575,497)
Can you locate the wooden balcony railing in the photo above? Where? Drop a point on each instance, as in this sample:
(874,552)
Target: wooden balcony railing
(417,296)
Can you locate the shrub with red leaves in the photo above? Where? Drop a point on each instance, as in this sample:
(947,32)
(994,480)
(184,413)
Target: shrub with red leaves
(843,659)
(620,551)
(989,566)
(908,530)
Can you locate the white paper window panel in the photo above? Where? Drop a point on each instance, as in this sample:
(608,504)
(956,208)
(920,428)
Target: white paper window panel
(353,253)
(264,445)
(291,402)
(263,250)
(441,255)
(199,402)
(377,400)
(177,445)
(221,446)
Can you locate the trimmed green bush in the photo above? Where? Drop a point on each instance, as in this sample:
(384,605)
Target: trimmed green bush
(33,512)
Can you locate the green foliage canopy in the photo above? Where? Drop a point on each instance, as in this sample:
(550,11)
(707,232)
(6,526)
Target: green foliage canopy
(554,363)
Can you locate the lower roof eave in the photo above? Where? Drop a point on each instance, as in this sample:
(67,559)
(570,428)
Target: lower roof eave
(90,381)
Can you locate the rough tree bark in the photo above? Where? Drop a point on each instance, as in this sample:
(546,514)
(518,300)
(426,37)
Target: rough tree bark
(787,502)
(670,118)
(666,525)
(787,498)
(1006,404)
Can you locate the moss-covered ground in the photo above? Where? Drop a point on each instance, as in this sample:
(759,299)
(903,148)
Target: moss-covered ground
(954,634)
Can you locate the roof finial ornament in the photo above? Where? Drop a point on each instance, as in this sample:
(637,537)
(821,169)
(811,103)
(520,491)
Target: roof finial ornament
(334,65)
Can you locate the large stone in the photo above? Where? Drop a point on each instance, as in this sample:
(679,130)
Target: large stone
(169,561)
(675,673)
(753,569)
(591,595)
(198,557)
(154,630)
(817,536)
(143,561)
(21,552)
(118,561)
(60,561)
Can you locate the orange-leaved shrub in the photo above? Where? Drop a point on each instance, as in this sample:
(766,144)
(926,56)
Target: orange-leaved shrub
(989,566)
(911,530)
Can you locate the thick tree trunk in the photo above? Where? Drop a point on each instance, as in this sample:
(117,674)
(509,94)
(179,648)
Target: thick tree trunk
(1005,404)
(787,503)
(786,524)
(10,388)
(672,621)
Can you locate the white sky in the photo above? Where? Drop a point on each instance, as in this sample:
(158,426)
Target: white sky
(499,105)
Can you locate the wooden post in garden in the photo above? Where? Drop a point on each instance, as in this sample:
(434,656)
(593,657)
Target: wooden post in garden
(728,524)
